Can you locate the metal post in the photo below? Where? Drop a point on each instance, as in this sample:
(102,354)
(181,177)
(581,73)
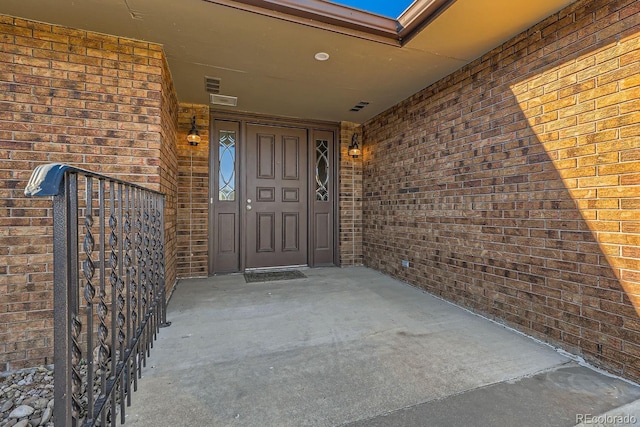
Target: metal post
(163,305)
(62,303)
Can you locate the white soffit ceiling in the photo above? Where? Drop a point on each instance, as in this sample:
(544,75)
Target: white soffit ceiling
(269,63)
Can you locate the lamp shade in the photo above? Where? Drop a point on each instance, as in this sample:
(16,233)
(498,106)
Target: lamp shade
(193,136)
(354,148)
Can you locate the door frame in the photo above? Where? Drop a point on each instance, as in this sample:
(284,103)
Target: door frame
(311,126)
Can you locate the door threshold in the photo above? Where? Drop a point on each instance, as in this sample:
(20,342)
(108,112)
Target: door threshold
(277,268)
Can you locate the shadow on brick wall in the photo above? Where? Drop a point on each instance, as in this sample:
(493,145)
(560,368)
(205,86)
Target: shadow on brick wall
(511,187)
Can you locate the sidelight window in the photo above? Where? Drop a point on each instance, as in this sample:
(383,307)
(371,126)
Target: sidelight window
(322,170)
(227,166)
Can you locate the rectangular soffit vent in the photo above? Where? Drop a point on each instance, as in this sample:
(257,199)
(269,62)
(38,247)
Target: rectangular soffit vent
(212,84)
(359,106)
(229,101)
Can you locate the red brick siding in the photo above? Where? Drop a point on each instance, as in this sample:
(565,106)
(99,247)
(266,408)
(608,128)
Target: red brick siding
(169,173)
(73,97)
(350,203)
(511,186)
(193,194)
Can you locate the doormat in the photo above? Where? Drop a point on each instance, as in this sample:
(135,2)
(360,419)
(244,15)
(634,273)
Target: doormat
(270,276)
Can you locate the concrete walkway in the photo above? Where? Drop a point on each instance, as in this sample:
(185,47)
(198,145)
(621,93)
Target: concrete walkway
(352,347)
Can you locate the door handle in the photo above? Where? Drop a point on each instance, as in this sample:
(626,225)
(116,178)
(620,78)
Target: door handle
(249,207)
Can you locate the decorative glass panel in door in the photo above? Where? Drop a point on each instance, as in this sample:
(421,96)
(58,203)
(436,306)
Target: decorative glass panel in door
(227,166)
(322,170)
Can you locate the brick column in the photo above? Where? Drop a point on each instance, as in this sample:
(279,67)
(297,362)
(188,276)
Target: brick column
(350,205)
(193,193)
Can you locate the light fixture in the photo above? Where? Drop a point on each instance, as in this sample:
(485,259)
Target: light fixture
(321,56)
(354,148)
(193,136)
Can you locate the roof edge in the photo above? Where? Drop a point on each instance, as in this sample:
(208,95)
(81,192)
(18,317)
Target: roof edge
(347,20)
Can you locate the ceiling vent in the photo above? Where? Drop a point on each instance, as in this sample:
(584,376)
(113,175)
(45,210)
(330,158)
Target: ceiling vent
(212,84)
(229,101)
(359,106)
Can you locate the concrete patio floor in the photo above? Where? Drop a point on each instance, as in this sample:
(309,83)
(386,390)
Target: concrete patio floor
(353,347)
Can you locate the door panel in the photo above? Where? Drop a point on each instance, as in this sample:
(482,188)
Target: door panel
(323,231)
(290,195)
(290,158)
(323,195)
(290,231)
(266,157)
(276,196)
(224,243)
(226,233)
(266,235)
(266,194)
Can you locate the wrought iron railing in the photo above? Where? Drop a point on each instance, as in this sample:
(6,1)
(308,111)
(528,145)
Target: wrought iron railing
(109,289)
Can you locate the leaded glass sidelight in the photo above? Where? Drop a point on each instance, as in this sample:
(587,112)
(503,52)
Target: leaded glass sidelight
(227,166)
(322,170)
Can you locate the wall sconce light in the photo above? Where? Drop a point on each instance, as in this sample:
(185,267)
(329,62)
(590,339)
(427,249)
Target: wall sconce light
(354,148)
(193,136)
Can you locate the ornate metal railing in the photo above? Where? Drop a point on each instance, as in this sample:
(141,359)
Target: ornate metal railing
(109,289)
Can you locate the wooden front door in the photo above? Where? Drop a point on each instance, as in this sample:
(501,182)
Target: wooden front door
(273,193)
(275,201)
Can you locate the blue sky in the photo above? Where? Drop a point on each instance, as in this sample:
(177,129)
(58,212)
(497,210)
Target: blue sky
(390,8)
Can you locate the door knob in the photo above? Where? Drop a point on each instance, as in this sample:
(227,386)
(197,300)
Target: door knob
(248,207)
(249,201)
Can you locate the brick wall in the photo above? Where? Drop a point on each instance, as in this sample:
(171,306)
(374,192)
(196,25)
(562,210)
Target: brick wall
(193,194)
(350,203)
(512,185)
(91,100)
(169,173)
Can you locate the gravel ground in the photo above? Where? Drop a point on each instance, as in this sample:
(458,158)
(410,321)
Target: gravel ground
(26,398)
